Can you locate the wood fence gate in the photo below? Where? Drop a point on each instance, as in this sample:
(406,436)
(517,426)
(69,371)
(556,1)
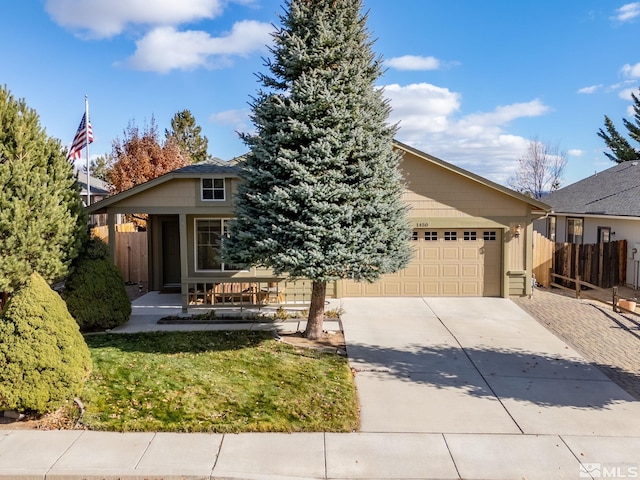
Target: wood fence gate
(131,252)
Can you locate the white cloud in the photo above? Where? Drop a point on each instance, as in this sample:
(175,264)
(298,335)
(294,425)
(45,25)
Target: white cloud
(626,93)
(414,62)
(479,142)
(165,49)
(627,12)
(575,152)
(238,119)
(632,71)
(107,18)
(590,89)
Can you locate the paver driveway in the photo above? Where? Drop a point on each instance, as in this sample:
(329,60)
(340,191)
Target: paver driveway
(474,365)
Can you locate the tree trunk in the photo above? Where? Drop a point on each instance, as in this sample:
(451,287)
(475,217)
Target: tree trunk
(316,311)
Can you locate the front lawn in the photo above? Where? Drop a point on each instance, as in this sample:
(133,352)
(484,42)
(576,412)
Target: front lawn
(215,382)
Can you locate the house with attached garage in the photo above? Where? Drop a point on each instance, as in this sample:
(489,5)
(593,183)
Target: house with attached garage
(470,236)
(598,209)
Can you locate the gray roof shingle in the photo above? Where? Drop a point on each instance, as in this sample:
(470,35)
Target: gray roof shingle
(615,191)
(211,166)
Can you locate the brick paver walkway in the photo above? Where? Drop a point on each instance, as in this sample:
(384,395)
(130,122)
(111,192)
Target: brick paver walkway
(609,340)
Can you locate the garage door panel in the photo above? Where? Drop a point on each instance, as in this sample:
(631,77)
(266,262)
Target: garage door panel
(466,266)
(449,271)
(450,253)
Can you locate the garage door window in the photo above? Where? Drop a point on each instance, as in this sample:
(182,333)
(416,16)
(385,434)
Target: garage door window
(468,236)
(431,236)
(414,236)
(489,236)
(450,236)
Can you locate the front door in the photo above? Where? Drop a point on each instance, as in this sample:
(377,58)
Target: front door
(170,253)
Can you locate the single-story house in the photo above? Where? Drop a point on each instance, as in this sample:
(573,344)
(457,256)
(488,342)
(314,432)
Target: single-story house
(99,191)
(600,208)
(471,237)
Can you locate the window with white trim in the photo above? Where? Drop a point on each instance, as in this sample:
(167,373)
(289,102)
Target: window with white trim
(212,189)
(210,234)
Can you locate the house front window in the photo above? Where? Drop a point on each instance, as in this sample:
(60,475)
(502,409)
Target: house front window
(574,230)
(212,189)
(210,234)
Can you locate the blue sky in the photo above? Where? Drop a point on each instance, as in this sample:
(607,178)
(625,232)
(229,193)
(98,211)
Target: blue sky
(470,82)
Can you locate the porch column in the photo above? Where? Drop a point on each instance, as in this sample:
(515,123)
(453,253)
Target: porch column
(111,226)
(184,265)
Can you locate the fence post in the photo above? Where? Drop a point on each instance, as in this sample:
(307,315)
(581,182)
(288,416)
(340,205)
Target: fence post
(578,286)
(615,299)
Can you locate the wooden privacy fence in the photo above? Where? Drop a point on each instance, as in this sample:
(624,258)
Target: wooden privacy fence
(601,264)
(131,256)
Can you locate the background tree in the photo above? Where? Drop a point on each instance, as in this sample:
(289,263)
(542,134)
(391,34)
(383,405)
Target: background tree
(540,169)
(99,167)
(188,136)
(42,221)
(621,149)
(140,157)
(320,196)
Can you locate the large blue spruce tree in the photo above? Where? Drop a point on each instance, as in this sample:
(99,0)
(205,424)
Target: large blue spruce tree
(320,196)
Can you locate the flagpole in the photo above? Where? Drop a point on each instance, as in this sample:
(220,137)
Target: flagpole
(86,138)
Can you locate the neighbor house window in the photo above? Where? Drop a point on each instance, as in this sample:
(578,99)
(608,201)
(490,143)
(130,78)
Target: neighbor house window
(551,228)
(210,233)
(213,189)
(604,234)
(574,230)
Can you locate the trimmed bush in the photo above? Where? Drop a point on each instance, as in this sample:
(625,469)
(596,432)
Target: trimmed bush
(95,292)
(43,357)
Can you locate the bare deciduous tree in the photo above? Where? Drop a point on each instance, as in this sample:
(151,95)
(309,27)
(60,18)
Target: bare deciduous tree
(540,169)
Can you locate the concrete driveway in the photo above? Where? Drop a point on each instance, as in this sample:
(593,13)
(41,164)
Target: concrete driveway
(475,365)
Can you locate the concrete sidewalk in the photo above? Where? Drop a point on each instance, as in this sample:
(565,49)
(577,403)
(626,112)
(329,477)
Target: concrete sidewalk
(449,389)
(100,455)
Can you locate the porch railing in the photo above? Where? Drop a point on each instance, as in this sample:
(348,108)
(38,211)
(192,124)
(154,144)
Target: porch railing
(245,293)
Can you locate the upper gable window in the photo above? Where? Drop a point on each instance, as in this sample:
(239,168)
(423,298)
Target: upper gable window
(212,189)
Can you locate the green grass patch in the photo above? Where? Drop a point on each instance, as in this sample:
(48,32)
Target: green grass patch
(215,382)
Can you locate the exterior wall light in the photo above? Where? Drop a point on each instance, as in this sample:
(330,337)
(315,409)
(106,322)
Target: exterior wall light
(517,230)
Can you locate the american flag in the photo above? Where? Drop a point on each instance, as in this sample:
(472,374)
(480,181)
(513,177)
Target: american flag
(80,141)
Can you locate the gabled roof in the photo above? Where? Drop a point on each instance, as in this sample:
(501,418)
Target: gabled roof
(215,166)
(97,186)
(615,191)
(537,204)
(211,166)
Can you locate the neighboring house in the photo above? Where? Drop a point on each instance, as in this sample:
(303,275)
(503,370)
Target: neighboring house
(472,237)
(601,208)
(99,191)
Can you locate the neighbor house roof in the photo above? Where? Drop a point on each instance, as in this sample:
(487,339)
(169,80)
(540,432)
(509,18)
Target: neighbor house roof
(615,191)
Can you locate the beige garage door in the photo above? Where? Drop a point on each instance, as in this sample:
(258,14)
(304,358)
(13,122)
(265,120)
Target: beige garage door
(446,263)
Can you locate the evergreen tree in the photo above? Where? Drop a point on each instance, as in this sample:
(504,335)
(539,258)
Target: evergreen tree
(622,150)
(188,136)
(320,196)
(42,221)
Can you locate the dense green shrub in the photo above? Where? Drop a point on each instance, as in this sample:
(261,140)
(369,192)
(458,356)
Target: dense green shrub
(95,292)
(43,357)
